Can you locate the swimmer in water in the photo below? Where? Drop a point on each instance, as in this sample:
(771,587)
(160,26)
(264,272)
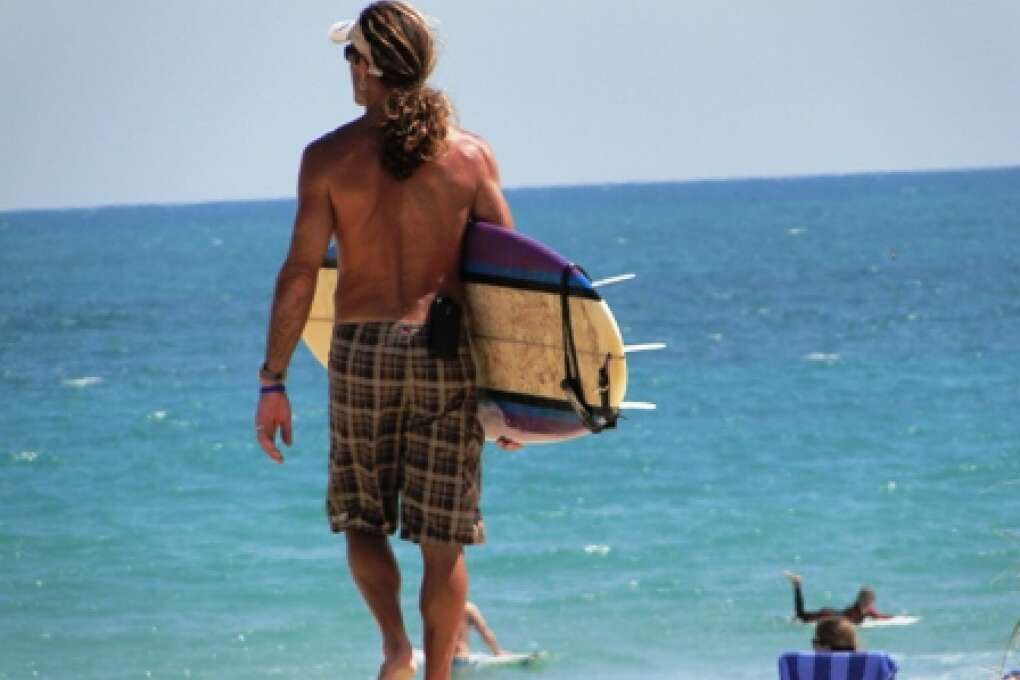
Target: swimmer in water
(473,619)
(862,608)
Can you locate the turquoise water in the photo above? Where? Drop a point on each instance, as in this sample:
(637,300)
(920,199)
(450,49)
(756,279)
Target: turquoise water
(839,397)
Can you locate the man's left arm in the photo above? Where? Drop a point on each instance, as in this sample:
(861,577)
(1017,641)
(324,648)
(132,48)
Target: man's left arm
(292,298)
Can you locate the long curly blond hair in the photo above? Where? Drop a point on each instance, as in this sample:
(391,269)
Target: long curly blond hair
(417,117)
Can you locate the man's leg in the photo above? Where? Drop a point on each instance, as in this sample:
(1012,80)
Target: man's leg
(444,590)
(377,576)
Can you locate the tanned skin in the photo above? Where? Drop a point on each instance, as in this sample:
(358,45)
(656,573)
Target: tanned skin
(473,619)
(399,245)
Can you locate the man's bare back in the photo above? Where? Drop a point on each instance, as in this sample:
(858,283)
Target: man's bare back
(399,240)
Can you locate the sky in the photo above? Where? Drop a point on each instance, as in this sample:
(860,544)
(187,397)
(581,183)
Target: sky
(154,101)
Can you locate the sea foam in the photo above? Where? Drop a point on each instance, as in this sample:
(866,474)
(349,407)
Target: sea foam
(79,383)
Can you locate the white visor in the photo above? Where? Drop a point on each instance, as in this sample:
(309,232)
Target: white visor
(350,32)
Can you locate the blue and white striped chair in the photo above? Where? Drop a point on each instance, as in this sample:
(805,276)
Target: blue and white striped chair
(836,666)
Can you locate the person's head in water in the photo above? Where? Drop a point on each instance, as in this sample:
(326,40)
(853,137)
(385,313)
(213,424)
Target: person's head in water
(865,598)
(835,634)
(392,52)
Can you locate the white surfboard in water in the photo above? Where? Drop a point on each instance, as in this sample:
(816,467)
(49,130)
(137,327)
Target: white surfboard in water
(898,620)
(901,620)
(478,661)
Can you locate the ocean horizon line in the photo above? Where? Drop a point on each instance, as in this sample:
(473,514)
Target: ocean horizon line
(524,188)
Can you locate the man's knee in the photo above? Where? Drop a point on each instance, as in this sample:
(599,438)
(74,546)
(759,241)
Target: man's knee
(441,556)
(358,540)
(369,555)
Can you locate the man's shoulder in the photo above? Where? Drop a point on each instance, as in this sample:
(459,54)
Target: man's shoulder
(349,135)
(470,146)
(467,142)
(336,144)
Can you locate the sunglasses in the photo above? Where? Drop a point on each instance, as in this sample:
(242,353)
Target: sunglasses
(352,55)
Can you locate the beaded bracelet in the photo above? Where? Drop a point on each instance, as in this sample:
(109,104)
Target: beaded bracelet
(269,389)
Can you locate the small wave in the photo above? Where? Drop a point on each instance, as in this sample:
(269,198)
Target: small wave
(158,415)
(24,456)
(998,485)
(593,549)
(80,383)
(822,357)
(796,231)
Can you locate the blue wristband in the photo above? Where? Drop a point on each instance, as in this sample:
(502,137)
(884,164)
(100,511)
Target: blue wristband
(269,389)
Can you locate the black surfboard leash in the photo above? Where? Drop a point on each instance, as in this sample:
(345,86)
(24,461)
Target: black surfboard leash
(590,417)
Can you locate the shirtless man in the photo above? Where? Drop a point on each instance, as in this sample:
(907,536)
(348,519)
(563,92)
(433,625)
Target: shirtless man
(395,189)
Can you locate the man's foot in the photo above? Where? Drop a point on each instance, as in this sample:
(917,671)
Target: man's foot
(794,578)
(398,671)
(398,663)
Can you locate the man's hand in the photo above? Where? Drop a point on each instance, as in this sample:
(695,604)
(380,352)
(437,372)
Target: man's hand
(273,411)
(508,444)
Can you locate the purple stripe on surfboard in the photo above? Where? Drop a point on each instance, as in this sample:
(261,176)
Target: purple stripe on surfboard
(491,250)
(538,419)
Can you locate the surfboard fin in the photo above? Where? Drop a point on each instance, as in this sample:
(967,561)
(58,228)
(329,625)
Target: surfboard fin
(613,279)
(644,347)
(637,406)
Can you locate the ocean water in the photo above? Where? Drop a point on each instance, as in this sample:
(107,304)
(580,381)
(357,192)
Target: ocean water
(839,397)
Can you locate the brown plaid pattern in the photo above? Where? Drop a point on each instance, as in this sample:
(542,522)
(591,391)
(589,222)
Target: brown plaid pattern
(404,431)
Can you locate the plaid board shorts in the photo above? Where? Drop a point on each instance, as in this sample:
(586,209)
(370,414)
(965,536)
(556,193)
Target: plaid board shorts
(404,431)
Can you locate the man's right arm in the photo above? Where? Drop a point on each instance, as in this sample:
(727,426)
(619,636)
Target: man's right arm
(490,205)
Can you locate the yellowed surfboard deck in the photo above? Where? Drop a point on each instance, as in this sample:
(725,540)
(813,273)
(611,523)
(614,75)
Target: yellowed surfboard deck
(515,328)
(318,333)
(535,321)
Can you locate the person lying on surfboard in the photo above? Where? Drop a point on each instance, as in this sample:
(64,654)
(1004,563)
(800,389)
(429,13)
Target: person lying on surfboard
(473,619)
(862,608)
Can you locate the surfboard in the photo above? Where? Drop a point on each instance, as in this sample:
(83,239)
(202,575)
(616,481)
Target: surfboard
(533,313)
(477,661)
(551,359)
(897,620)
(318,332)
